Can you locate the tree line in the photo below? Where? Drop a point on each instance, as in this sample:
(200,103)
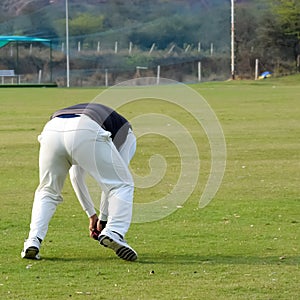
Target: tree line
(271,33)
(268,30)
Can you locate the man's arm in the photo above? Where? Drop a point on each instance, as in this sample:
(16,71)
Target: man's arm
(77,177)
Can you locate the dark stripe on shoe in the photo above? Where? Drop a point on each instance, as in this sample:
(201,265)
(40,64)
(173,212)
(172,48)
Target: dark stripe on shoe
(123,252)
(126,253)
(103,238)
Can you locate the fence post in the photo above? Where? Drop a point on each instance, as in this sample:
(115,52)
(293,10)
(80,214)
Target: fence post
(40,76)
(187,48)
(152,48)
(106,77)
(158,74)
(171,49)
(199,71)
(256,69)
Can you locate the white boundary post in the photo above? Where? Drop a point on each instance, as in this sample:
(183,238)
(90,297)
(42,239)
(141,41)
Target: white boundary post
(256,69)
(106,77)
(199,71)
(40,76)
(158,74)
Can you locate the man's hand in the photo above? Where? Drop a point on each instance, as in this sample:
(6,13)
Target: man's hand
(96,226)
(93,222)
(93,227)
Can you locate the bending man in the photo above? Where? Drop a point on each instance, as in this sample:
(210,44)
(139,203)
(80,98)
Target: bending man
(86,138)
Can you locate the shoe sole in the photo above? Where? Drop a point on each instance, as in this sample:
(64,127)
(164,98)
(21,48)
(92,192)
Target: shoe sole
(122,251)
(31,253)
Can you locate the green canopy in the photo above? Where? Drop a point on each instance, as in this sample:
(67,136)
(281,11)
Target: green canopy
(5,39)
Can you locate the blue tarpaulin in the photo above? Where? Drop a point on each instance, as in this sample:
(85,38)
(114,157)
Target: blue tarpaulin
(5,39)
(265,75)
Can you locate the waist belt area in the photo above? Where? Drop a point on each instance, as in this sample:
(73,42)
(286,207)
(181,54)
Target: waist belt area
(69,116)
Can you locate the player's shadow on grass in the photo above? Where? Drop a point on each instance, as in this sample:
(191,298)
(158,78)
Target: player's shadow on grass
(219,259)
(168,259)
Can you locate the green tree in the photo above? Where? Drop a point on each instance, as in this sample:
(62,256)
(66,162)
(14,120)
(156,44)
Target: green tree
(288,13)
(85,24)
(80,26)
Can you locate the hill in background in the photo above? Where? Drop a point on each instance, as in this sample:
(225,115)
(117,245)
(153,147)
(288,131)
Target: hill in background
(12,8)
(164,22)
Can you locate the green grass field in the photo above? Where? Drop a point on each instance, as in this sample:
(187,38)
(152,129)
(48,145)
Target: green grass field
(244,245)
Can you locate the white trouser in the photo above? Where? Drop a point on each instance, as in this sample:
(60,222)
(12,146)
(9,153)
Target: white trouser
(80,141)
(78,174)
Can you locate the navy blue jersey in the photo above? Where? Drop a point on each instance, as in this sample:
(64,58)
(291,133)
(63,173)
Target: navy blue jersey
(105,116)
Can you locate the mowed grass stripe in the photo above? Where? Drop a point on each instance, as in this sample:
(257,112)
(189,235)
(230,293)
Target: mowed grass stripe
(243,245)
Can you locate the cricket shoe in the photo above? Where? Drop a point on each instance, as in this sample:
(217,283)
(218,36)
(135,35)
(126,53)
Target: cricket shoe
(31,249)
(116,242)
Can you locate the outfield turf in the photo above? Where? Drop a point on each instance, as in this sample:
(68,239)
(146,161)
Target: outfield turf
(244,245)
